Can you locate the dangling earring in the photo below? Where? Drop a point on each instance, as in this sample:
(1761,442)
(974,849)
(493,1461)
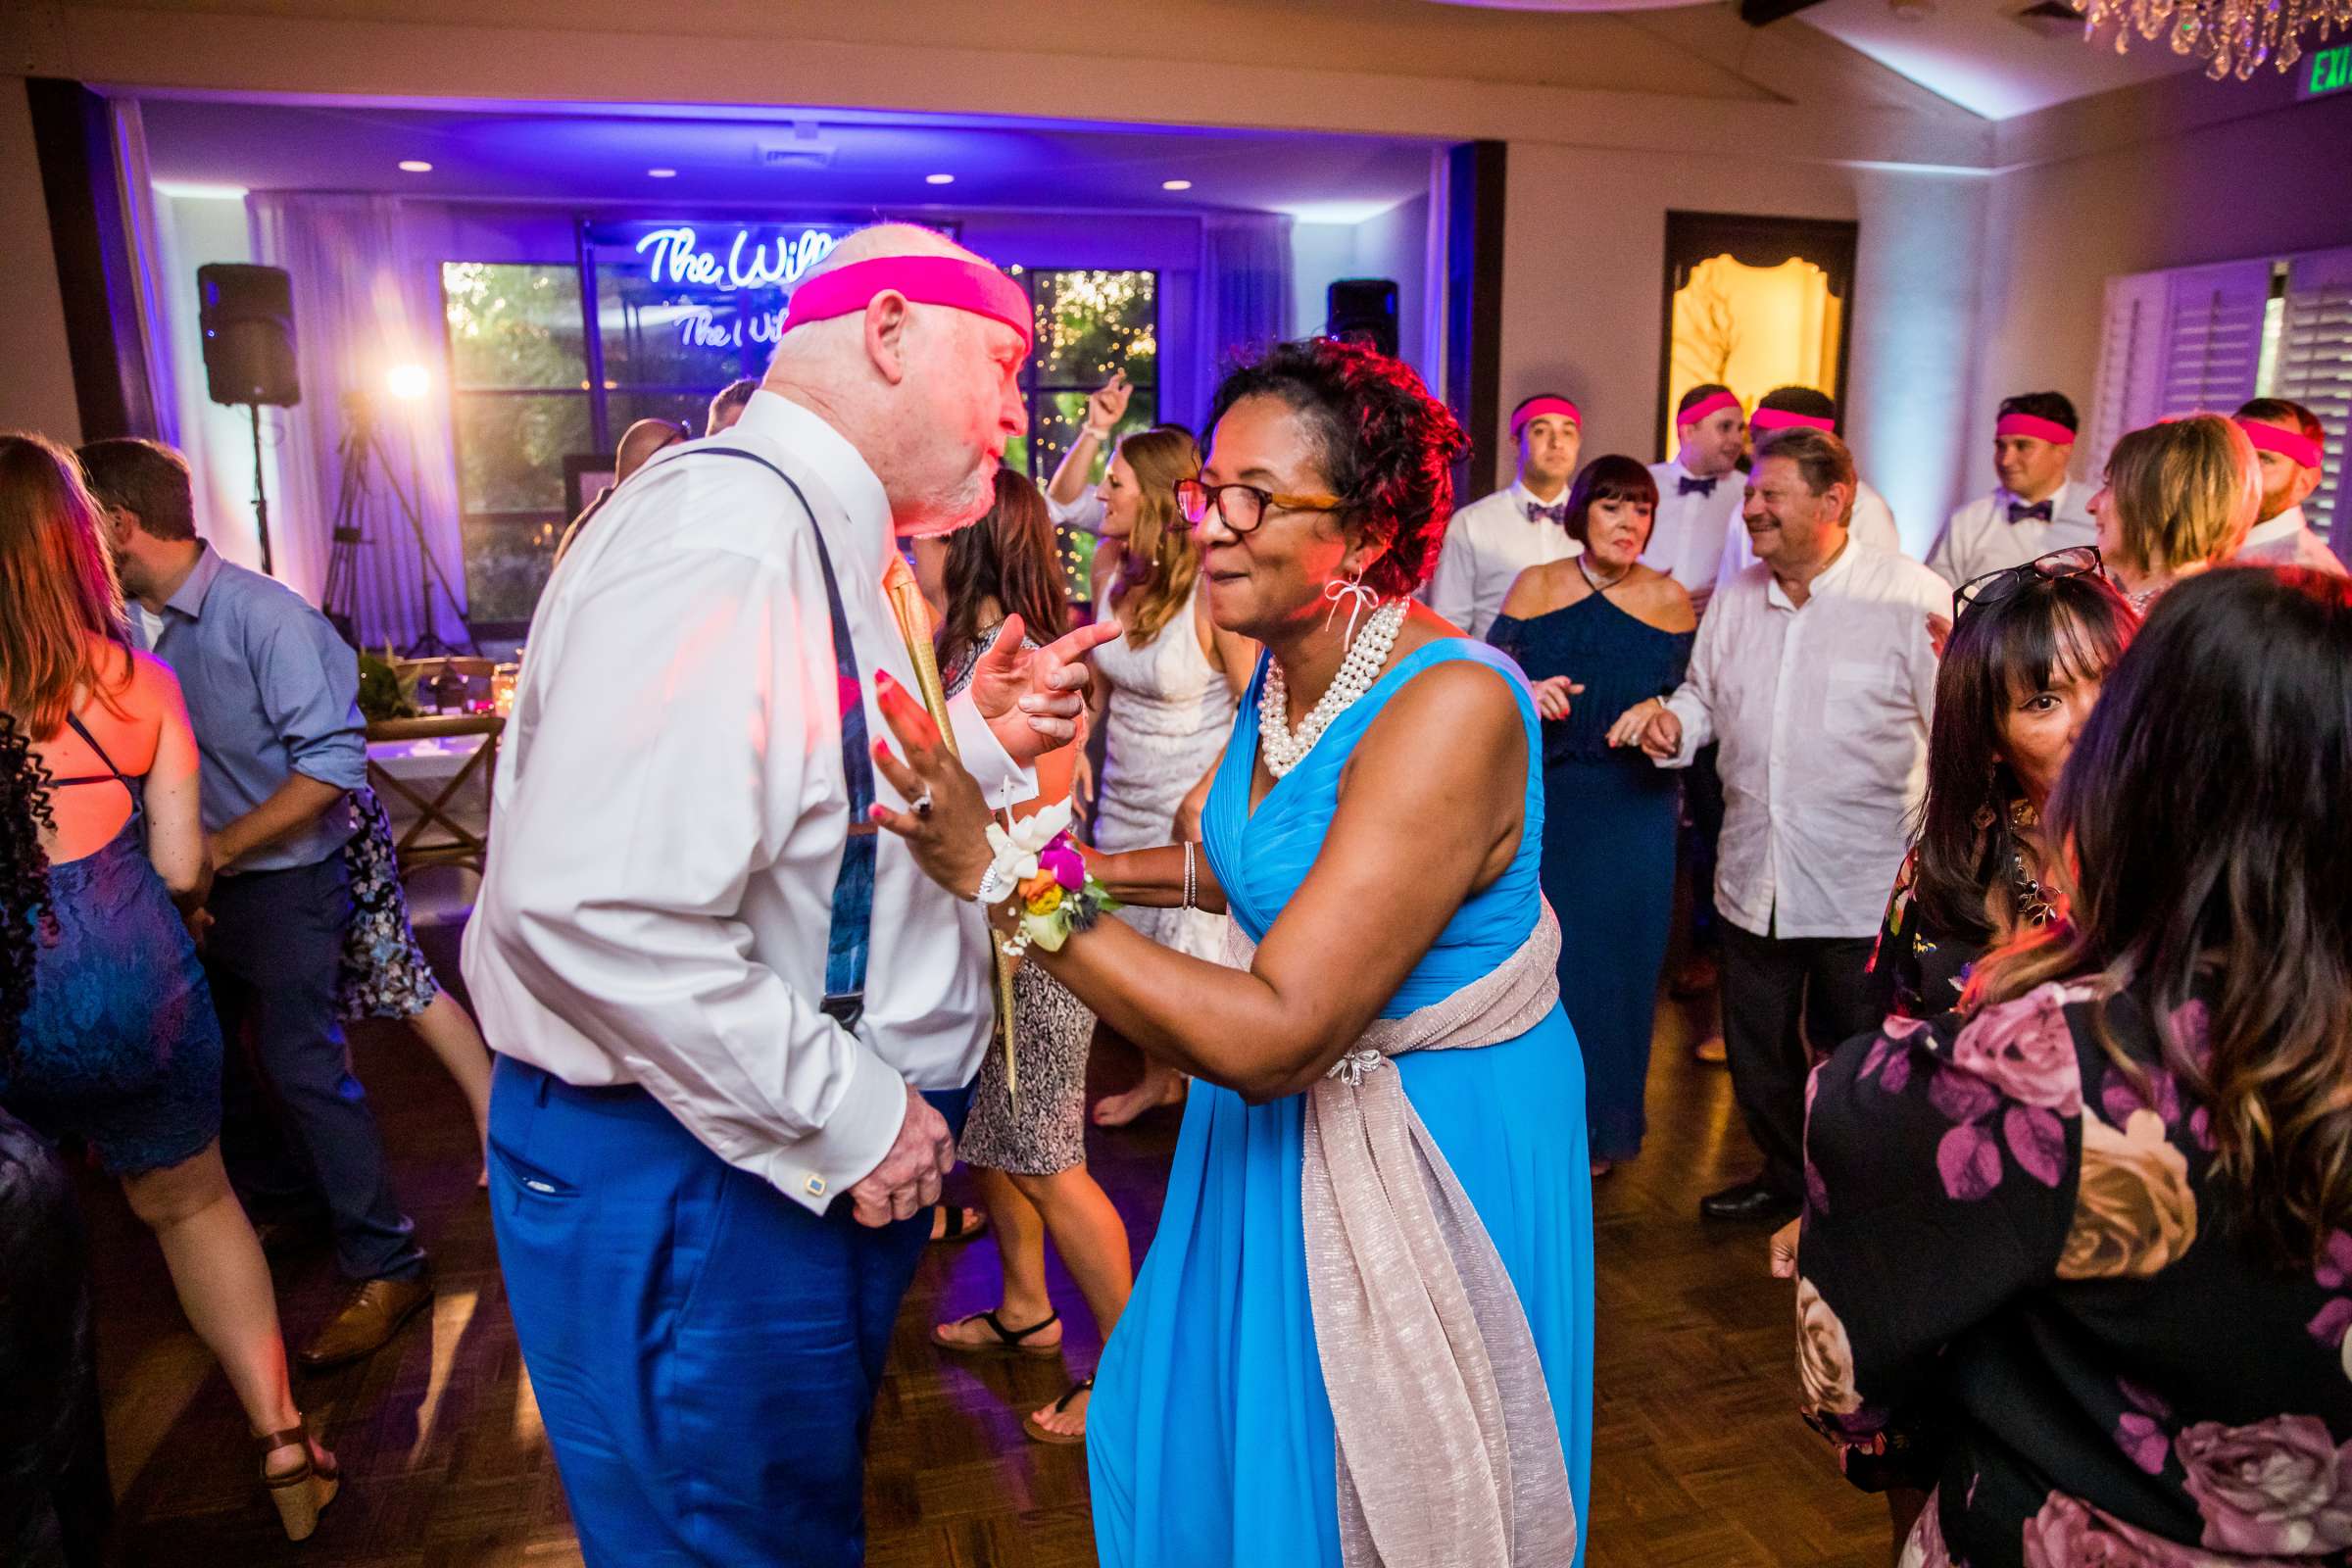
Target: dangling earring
(1361,599)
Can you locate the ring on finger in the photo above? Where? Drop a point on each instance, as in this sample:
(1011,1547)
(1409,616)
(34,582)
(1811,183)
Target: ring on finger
(923,804)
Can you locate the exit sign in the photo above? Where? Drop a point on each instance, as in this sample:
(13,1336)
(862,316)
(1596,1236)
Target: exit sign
(2330,70)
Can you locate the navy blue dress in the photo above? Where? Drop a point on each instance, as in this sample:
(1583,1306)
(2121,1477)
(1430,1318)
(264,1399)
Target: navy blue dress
(120,1046)
(1609,818)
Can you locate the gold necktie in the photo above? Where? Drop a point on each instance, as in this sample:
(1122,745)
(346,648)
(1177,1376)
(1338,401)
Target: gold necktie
(914,627)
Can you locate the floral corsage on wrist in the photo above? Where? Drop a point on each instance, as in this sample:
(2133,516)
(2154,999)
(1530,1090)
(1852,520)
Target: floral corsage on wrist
(1036,864)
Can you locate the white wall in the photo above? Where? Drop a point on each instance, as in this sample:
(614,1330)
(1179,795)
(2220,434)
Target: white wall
(37,392)
(197,230)
(1393,244)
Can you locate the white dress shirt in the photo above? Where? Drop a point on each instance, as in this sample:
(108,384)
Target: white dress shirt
(1979,537)
(2287,540)
(1489,543)
(1872,524)
(671,815)
(1822,712)
(1686,541)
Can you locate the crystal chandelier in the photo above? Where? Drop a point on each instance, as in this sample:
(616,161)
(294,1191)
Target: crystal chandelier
(2233,36)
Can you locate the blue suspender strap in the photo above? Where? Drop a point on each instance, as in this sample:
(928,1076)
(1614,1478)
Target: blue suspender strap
(852,935)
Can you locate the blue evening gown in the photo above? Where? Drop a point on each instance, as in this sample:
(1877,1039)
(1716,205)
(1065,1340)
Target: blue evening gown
(1210,1435)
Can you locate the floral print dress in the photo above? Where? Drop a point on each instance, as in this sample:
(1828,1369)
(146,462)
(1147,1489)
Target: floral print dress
(2017,1245)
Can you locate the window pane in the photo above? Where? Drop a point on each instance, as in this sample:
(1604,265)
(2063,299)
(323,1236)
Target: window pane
(1056,417)
(661,335)
(1090,323)
(507,562)
(513,324)
(511,447)
(689,409)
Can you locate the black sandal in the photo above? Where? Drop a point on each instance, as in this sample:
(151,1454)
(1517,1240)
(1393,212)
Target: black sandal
(1038,1431)
(955,1222)
(1009,1342)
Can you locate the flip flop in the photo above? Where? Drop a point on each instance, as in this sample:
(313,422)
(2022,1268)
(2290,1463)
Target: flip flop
(1007,1341)
(1040,1433)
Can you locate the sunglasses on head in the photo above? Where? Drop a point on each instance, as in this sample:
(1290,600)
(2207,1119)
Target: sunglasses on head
(2077,560)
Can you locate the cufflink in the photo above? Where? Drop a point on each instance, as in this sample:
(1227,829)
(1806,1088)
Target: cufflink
(815,1187)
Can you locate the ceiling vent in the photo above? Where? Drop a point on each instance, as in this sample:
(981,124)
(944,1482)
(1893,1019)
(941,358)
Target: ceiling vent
(2052,18)
(808,149)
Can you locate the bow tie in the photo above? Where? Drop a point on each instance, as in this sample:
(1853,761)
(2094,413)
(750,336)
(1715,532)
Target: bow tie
(2019,512)
(1685,485)
(1557,511)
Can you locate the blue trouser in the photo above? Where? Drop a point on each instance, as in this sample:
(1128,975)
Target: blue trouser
(272,958)
(705,1351)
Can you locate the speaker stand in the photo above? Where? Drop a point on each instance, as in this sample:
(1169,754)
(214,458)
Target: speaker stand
(261,491)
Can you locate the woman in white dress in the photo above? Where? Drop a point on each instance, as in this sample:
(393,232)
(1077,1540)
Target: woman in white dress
(1167,692)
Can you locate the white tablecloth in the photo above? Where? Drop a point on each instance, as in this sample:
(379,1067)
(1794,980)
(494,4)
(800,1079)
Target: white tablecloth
(426,767)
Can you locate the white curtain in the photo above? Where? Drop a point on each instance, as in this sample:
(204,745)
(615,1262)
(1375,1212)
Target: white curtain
(366,317)
(1245,289)
(148,279)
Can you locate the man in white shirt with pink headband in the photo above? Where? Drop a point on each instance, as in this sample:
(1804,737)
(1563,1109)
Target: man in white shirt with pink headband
(2035,508)
(1786,408)
(736,1029)
(2292,444)
(1493,539)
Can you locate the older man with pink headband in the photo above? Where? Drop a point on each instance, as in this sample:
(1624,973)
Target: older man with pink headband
(1786,408)
(2035,507)
(736,1029)
(1493,540)
(2292,444)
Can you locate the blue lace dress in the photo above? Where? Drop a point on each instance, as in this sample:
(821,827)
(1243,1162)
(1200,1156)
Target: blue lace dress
(1210,1435)
(119,1044)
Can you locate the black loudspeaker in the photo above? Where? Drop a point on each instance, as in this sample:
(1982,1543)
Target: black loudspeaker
(1362,309)
(247,313)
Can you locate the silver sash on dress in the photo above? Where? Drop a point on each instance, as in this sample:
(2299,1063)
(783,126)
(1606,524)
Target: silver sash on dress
(1448,1451)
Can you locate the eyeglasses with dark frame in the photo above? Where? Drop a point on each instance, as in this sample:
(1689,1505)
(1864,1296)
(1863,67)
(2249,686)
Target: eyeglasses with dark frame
(1992,587)
(1242,507)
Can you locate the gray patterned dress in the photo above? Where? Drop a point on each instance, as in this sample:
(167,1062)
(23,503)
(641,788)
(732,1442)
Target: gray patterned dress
(1046,1132)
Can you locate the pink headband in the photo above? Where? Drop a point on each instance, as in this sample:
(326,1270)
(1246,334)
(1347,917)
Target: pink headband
(948,281)
(2293,445)
(1537,407)
(2032,424)
(1769,419)
(1706,405)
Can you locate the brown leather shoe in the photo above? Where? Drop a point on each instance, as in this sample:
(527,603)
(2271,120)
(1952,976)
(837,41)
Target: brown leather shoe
(368,1321)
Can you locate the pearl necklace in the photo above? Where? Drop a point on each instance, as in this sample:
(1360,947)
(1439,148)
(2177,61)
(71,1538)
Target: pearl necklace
(1283,749)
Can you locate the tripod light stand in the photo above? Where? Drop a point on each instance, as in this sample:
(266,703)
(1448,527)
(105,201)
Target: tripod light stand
(361,452)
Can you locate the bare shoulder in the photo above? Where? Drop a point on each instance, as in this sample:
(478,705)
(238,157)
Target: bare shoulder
(151,674)
(1655,599)
(1540,590)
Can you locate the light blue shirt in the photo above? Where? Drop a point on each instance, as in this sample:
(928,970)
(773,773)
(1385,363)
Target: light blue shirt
(272,690)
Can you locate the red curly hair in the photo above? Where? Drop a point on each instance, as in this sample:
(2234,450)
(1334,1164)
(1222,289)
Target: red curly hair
(1387,448)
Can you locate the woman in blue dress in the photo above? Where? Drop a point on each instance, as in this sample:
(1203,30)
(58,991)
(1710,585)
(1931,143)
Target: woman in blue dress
(1602,638)
(1303,1362)
(118,1044)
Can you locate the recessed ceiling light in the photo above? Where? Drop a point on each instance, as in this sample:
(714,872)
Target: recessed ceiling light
(939,179)
(1175,184)
(661,174)
(415,166)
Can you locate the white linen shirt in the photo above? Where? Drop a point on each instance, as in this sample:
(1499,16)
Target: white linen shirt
(1822,712)
(1872,524)
(2287,540)
(1489,543)
(1685,540)
(1979,537)
(672,814)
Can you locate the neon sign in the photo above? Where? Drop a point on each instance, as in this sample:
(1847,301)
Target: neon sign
(677,260)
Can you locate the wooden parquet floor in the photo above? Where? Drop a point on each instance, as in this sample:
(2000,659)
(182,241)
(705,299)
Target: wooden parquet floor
(1699,1456)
